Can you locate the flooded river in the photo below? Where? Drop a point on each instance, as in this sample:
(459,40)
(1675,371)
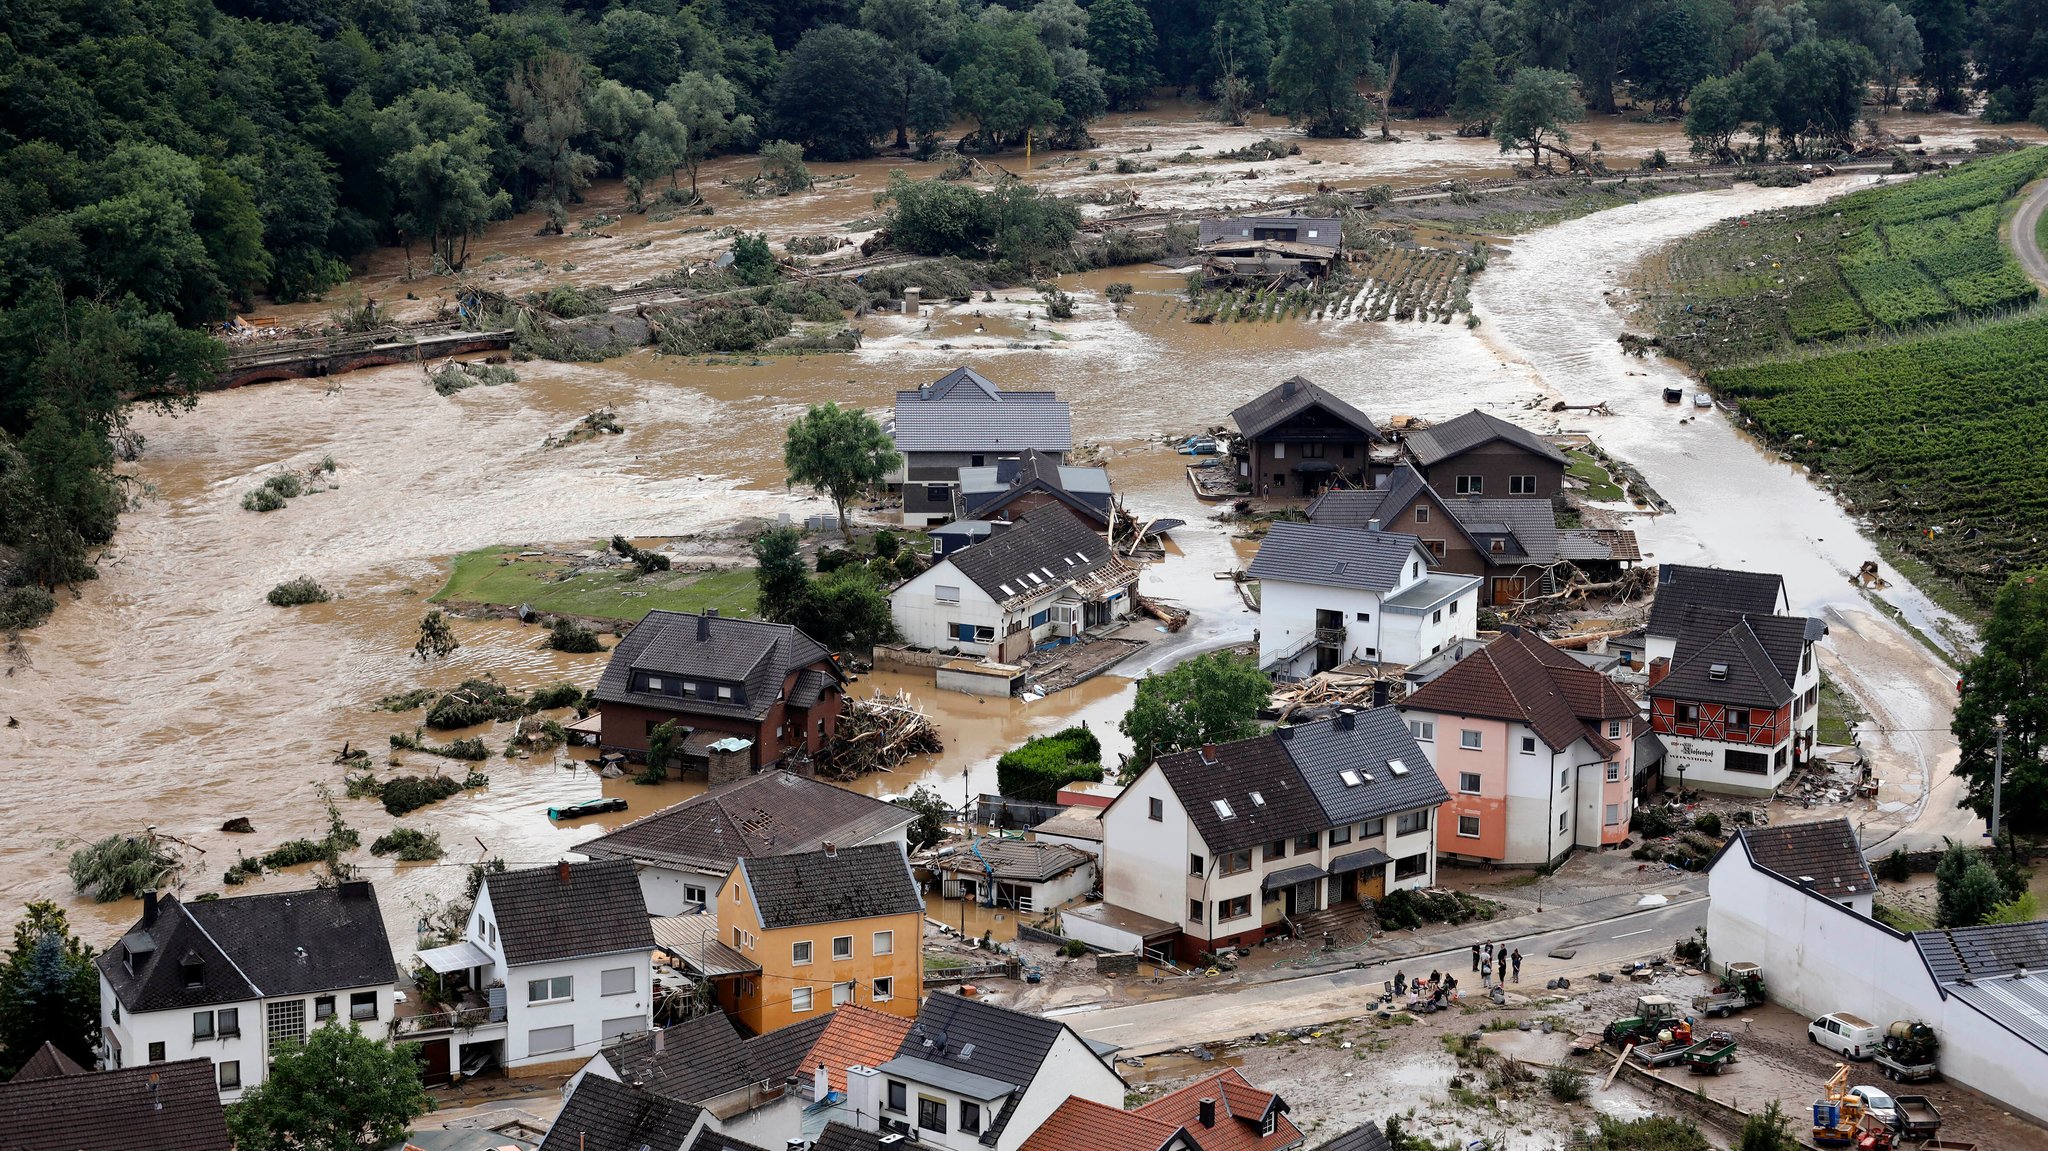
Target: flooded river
(169,694)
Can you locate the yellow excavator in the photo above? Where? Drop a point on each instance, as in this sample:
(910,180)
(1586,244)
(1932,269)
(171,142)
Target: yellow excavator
(1841,1120)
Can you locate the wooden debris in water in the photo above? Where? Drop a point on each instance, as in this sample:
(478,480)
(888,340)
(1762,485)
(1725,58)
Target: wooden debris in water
(877,734)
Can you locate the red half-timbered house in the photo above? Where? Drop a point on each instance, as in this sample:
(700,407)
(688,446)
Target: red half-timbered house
(1736,703)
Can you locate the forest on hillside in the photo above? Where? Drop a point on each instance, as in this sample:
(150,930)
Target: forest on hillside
(164,162)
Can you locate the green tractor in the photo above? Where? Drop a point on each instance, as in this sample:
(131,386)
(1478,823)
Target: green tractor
(1653,1012)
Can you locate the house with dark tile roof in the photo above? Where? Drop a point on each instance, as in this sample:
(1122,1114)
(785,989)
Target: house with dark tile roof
(963,420)
(1535,750)
(172,1105)
(1027,875)
(1331,595)
(1297,438)
(607,1115)
(686,851)
(1007,489)
(1367,1136)
(1233,841)
(48,1062)
(1224,1112)
(1047,577)
(1514,545)
(971,1075)
(1737,704)
(1478,454)
(1823,857)
(230,979)
(825,928)
(1682,587)
(568,954)
(718,680)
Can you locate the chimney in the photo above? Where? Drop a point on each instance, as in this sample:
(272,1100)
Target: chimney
(149,909)
(831,850)
(1208,1113)
(1287,389)
(1659,668)
(864,1097)
(660,1040)
(1347,718)
(356,889)
(1285,731)
(1379,693)
(1373,524)
(1208,753)
(821,1083)
(729,759)
(562,871)
(704,627)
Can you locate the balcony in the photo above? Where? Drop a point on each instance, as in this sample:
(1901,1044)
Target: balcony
(1330,637)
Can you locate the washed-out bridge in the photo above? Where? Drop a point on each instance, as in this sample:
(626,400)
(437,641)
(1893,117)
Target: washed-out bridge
(262,361)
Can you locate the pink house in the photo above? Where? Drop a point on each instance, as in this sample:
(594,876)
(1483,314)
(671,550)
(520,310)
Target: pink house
(1536,749)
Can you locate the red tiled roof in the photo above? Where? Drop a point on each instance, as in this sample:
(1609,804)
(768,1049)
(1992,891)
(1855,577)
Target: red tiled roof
(1519,677)
(1081,1125)
(856,1037)
(1240,1114)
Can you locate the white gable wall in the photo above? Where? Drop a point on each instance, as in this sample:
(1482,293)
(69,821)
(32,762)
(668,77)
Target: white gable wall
(1145,864)
(1070,1069)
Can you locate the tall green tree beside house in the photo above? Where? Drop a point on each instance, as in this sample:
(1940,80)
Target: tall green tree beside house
(842,452)
(49,990)
(1212,698)
(339,1091)
(2009,678)
(1966,888)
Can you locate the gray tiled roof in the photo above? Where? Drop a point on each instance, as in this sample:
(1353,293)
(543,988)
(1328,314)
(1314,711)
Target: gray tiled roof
(250,946)
(606,1115)
(963,412)
(1758,657)
(1474,428)
(1526,528)
(1824,851)
(1323,751)
(766,814)
(1291,397)
(1364,1137)
(981,1038)
(816,887)
(1333,557)
(159,1106)
(709,1140)
(755,653)
(1048,539)
(840,1137)
(1358,507)
(1286,804)
(1984,952)
(598,911)
(987,490)
(1682,585)
(47,1063)
(706,1057)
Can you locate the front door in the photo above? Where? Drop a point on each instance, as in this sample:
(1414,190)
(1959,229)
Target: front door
(1507,590)
(1287,901)
(433,1059)
(1343,888)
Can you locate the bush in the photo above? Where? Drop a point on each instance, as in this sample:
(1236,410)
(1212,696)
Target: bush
(472,702)
(752,262)
(886,544)
(1565,1085)
(1708,824)
(122,867)
(1399,910)
(407,793)
(285,484)
(293,592)
(553,696)
(831,559)
(1058,305)
(409,845)
(1037,770)
(262,500)
(25,607)
(1656,823)
(1895,867)
(1073,949)
(568,635)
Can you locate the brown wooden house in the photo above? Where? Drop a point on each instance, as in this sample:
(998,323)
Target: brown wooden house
(1481,455)
(1299,439)
(716,677)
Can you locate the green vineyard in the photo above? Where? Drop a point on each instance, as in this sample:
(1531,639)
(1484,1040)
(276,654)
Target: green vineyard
(1942,442)
(1906,255)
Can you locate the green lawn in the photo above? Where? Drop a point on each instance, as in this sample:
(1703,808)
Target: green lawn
(1838,714)
(497,575)
(1599,485)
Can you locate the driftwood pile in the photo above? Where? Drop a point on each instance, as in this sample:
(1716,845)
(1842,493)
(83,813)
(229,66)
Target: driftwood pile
(876,734)
(1174,616)
(1329,690)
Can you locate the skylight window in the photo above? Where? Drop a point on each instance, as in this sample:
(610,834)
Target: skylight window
(1258,800)
(1349,777)
(1006,589)
(1397,767)
(1223,808)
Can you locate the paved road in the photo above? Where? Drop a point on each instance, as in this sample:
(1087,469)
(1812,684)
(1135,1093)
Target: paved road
(2025,229)
(1144,1028)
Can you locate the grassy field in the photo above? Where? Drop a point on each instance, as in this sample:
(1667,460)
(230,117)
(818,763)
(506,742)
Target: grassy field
(1839,714)
(499,575)
(1600,486)
(1916,252)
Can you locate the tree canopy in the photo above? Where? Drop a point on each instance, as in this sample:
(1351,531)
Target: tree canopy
(2009,679)
(841,452)
(1212,698)
(49,990)
(339,1091)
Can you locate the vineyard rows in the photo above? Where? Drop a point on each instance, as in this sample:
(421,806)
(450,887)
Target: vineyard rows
(1400,283)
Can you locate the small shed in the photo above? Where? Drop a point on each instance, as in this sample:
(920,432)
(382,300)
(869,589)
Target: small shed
(1026,875)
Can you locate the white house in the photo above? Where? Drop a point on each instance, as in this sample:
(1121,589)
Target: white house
(1026,875)
(683,853)
(1047,576)
(971,1075)
(1737,704)
(1236,839)
(566,955)
(1982,988)
(1331,594)
(232,979)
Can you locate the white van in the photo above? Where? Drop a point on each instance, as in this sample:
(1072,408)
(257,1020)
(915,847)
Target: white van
(1846,1034)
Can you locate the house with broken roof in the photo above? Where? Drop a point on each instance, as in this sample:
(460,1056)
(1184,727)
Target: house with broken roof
(168,1105)
(1296,438)
(1047,577)
(1330,595)
(1737,705)
(817,930)
(684,853)
(962,420)
(1514,545)
(1478,454)
(1984,989)
(1536,751)
(1031,875)
(744,692)
(233,980)
(1269,247)
(1007,489)
(1233,841)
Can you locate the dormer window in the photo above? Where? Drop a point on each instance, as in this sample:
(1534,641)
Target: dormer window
(1271,1122)
(1498,546)
(724,693)
(653,683)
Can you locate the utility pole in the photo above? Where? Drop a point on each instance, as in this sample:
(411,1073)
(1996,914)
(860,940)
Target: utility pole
(1997,777)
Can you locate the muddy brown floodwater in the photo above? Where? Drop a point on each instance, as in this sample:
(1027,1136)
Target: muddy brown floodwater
(169,694)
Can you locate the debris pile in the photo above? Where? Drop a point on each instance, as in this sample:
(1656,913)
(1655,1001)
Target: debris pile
(1325,692)
(876,734)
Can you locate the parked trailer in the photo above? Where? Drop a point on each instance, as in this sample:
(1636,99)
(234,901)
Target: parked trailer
(1907,1072)
(1654,1054)
(1917,1116)
(1947,1145)
(1711,1055)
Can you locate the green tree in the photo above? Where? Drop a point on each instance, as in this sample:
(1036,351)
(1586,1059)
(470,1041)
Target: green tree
(918,33)
(439,167)
(1671,55)
(2022,908)
(930,826)
(1241,45)
(847,608)
(637,49)
(436,640)
(339,1091)
(1534,110)
(1602,32)
(1822,96)
(1895,46)
(752,262)
(1714,117)
(1212,698)
(1428,75)
(49,990)
(1324,51)
(2009,678)
(1944,28)
(1766,1131)
(1121,42)
(841,452)
(780,573)
(831,97)
(664,741)
(705,106)
(1756,87)
(1966,889)
(1478,91)
(1005,82)
(546,99)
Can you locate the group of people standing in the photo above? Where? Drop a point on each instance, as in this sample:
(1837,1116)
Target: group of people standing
(1495,963)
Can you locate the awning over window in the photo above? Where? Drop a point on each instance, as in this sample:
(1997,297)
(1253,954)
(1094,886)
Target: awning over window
(1288,877)
(1360,860)
(455,957)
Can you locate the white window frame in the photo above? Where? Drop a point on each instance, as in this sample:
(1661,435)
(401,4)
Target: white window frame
(1469,740)
(883,989)
(534,1040)
(1424,730)
(800,1000)
(1471,777)
(1528,745)
(842,993)
(945,593)
(847,951)
(1613,815)
(1613,772)
(554,988)
(884,943)
(695,893)
(800,953)
(1472,834)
